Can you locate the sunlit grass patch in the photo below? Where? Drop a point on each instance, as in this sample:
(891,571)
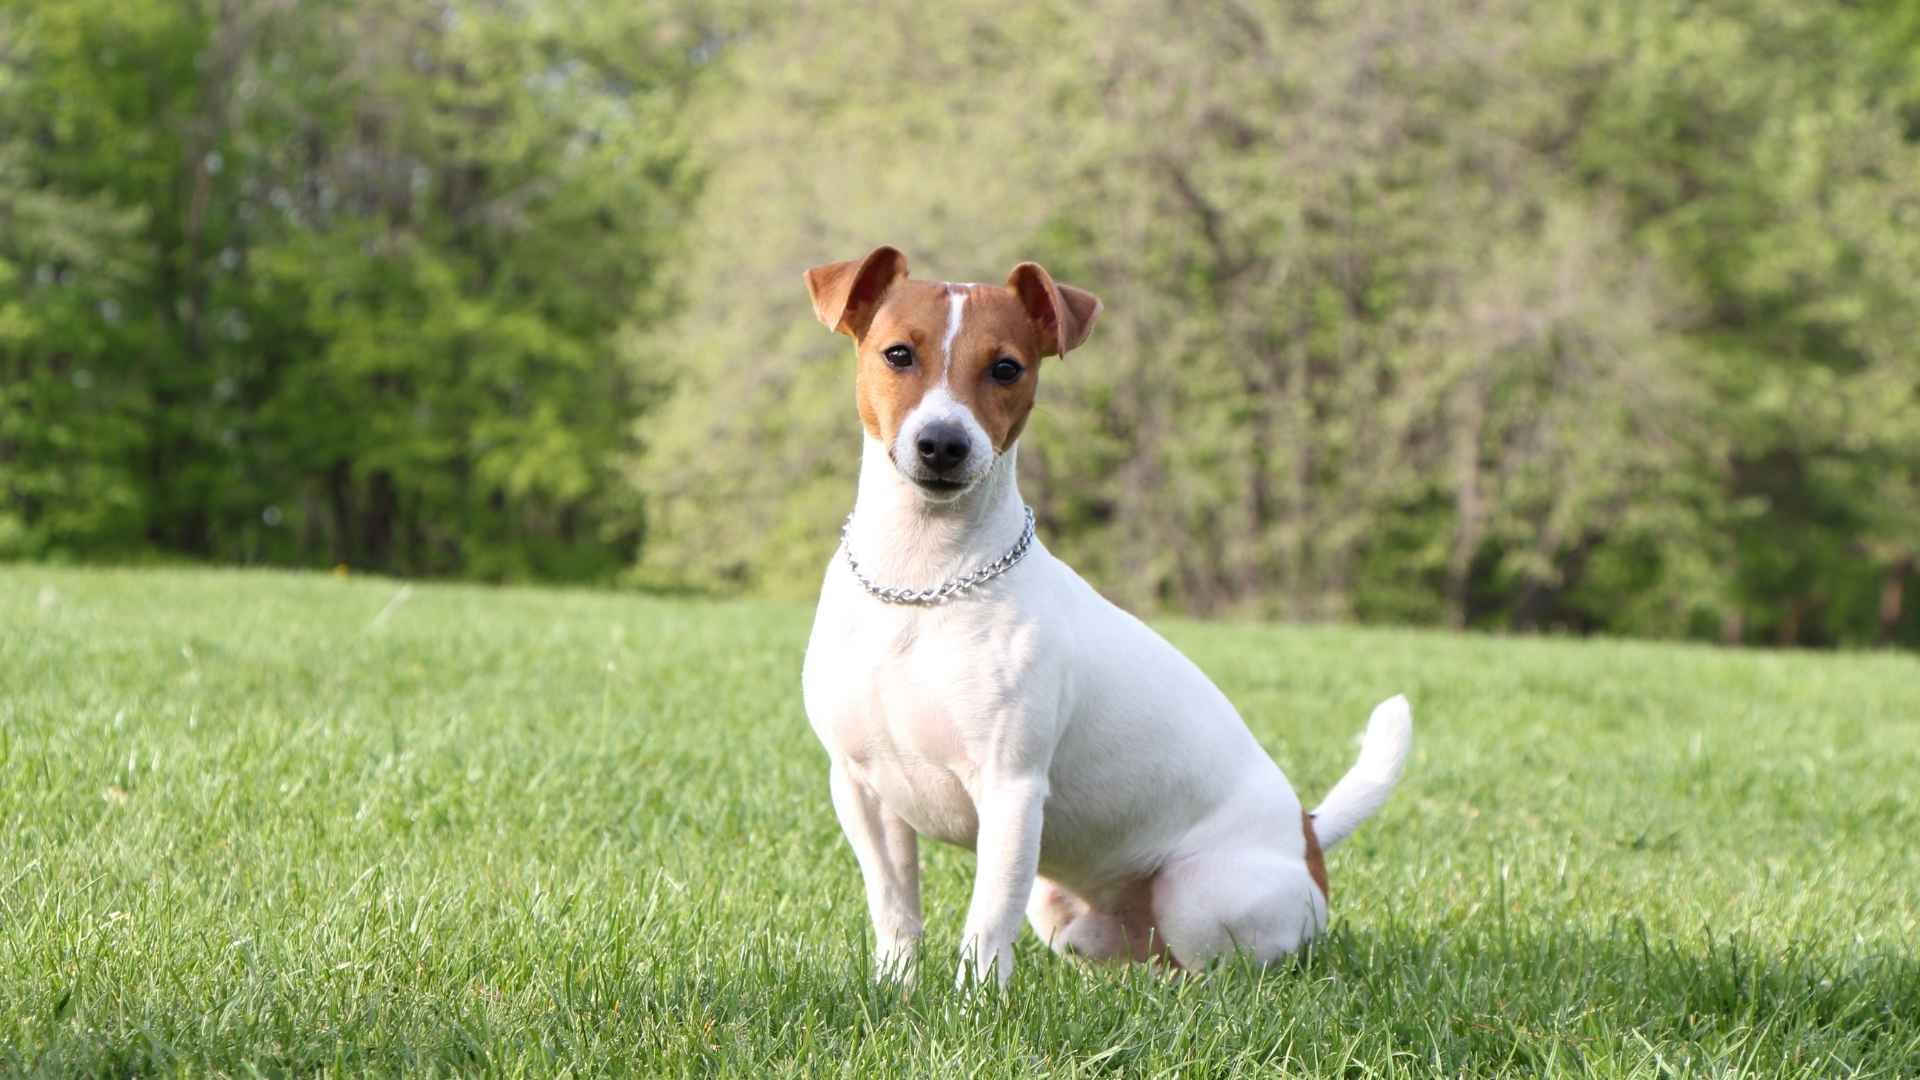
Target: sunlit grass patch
(249,823)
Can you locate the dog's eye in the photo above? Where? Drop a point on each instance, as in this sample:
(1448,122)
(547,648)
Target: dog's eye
(898,356)
(1005,370)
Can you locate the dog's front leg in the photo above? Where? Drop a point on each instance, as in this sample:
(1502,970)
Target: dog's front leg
(1007,858)
(889,855)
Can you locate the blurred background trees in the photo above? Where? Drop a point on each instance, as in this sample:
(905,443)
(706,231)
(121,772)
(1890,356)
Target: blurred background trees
(332,282)
(1595,316)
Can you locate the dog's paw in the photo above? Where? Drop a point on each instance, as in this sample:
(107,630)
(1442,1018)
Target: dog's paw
(897,962)
(901,970)
(984,969)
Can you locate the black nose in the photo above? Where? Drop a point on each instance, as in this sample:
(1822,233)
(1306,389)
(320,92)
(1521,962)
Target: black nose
(943,446)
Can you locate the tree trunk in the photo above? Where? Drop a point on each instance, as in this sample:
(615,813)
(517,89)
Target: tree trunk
(1892,596)
(339,514)
(382,503)
(1468,505)
(1789,634)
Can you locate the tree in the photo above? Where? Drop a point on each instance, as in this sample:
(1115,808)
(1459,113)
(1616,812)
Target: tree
(1584,316)
(380,302)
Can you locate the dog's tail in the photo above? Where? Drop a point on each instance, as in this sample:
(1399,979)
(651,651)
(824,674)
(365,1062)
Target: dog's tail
(1383,752)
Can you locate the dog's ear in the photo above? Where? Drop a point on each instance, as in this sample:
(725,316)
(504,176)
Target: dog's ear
(1065,314)
(846,294)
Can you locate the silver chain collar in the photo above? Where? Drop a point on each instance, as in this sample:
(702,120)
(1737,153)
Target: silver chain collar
(949,589)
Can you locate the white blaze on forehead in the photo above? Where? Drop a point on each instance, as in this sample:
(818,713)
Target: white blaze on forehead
(956,304)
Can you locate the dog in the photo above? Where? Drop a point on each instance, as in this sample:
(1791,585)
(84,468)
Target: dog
(971,688)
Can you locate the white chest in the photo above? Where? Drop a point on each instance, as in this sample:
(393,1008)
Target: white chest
(913,702)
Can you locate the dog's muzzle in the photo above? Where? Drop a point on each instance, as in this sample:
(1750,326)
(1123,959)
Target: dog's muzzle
(942,449)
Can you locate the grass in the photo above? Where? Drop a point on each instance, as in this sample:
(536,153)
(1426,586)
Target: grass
(285,824)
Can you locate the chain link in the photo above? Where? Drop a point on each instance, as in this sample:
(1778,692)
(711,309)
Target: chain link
(951,588)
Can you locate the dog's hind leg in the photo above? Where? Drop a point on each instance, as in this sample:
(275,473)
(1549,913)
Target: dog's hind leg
(1259,902)
(1072,927)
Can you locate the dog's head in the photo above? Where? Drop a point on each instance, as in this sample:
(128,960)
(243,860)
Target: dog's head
(947,371)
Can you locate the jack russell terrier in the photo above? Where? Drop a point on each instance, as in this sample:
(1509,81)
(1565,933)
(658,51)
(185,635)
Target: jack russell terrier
(970,687)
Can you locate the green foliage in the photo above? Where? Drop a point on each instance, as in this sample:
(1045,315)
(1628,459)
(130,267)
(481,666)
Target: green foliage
(272,824)
(1588,316)
(341,282)
(1594,316)
(67,342)
(1753,149)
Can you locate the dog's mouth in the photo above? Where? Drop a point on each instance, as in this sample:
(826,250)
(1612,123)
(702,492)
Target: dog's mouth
(940,486)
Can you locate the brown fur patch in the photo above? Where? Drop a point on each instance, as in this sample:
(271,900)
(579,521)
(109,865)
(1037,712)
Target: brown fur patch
(1137,922)
(994,326)
(1316,862)
(913,314)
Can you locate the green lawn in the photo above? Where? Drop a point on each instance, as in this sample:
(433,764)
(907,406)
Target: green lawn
(298,824)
